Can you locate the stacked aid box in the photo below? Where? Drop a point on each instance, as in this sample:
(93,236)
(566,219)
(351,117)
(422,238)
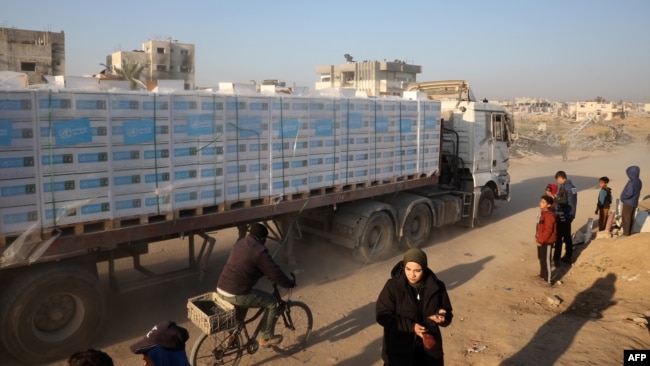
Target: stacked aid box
(198,124)
(429,122)
(247,160)
(140,166)
(289,138)
(19,198)
(71,157)
(324,129)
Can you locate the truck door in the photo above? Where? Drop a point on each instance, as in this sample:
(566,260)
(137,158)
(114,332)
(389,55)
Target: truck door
(500,156)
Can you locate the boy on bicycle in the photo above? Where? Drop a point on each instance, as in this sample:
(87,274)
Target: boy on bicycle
(249,260)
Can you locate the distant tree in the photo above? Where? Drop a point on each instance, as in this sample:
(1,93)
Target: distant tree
(600,100)
(131,71)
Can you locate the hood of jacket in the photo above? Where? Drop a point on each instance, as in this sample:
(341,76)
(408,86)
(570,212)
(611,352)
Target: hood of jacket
(633,172)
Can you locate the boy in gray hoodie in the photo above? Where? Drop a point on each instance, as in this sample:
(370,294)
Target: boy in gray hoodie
(630,198)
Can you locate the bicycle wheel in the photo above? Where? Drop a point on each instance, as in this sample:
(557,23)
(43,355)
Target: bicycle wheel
(217,349)
(295,325)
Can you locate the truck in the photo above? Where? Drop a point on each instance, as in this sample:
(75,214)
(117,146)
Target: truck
(95,176)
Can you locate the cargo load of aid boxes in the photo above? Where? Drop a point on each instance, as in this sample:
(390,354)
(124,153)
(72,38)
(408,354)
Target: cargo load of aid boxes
(69,157)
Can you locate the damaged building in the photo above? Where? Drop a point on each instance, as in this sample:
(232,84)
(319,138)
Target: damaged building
(34,53)
(162,60)
(373,78)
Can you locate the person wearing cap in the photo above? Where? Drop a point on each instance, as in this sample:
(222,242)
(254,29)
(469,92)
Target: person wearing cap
(164,345)
(412,307)
(249,260)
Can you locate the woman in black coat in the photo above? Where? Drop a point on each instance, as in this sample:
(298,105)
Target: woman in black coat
(412,307)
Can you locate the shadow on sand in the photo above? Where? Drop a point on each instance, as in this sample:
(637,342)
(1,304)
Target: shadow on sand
(554,337)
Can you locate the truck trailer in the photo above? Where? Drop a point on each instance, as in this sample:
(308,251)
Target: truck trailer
(95,176)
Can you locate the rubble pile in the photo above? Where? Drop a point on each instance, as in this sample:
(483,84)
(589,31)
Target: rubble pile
(546,143)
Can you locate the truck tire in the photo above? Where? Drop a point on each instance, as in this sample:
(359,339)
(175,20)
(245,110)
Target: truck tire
(485,206)
(50,311)
(417,227)
(376,241)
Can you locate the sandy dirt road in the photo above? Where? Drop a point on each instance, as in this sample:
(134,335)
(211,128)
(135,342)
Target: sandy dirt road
(498,309)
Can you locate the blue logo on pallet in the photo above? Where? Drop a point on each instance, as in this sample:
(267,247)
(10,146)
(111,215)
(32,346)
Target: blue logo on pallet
(138,132)
(72,132)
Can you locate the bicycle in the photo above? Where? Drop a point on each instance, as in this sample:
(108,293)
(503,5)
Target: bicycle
(228,346)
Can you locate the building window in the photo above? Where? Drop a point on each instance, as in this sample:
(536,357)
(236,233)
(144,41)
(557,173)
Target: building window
(185,69)
(185,52)
(28,66)
(160,50)
(161,68)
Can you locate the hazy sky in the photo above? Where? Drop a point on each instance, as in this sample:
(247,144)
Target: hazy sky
(564,50)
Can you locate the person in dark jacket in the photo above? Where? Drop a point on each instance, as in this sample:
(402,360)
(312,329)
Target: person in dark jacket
(630,198)
(604,202)
(249,260)
(566,202)
(412,307)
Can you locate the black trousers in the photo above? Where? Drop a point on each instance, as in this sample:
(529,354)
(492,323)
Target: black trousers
(563,236)
(544,256)
(627,219)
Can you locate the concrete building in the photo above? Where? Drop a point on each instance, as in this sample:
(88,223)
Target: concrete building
(606,111)
(35,53)
(163,60)
(372,77)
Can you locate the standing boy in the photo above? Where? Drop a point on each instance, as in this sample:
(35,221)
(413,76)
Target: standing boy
(545,236)
(566,202)
(630,198)
(604,201)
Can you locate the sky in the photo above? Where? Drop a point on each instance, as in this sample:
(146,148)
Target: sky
(557,49)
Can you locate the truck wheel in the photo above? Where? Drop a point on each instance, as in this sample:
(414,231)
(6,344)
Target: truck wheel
(417,227)
(51,311)
(377,238)
(485,206)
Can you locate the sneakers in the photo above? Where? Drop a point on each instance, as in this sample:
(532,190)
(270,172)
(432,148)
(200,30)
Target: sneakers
(276,339)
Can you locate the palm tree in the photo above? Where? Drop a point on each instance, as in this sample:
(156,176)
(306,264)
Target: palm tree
(130,70)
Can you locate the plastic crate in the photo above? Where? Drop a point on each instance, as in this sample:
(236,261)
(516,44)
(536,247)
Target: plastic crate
(210,313)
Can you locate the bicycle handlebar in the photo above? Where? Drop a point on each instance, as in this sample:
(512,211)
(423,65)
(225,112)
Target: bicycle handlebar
(275,285)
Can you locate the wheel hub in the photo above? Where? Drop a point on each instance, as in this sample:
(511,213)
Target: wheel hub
(415,226)
(54,313)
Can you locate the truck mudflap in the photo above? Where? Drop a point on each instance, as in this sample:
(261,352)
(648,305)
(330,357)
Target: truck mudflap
(484,204)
